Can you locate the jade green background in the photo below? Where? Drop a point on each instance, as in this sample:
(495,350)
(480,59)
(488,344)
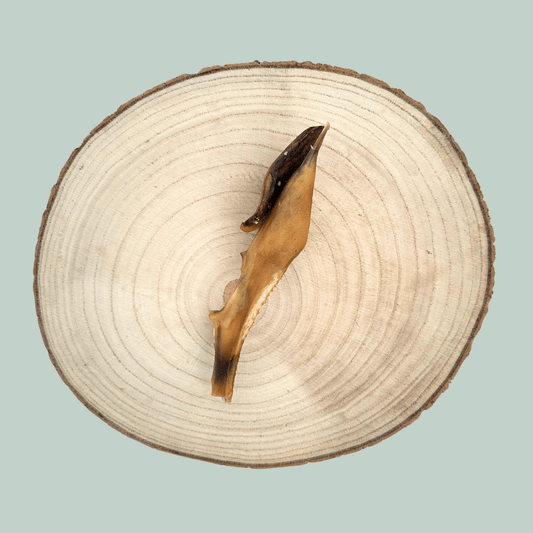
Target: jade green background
(464,465)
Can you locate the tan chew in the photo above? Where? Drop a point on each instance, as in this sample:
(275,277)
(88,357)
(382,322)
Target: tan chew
(283,230)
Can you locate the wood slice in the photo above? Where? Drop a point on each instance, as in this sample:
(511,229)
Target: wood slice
(370,323)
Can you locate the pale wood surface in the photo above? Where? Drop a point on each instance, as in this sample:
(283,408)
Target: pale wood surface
(365,330)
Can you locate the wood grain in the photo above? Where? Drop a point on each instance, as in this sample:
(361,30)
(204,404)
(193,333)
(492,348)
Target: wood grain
(366,329)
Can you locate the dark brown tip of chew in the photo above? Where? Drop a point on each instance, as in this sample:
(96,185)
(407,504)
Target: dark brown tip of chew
(221,372)
(279,174)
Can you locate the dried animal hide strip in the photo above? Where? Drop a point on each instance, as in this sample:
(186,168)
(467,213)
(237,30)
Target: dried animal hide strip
(282,220)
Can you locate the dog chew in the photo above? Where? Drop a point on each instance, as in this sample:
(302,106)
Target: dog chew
(282,220)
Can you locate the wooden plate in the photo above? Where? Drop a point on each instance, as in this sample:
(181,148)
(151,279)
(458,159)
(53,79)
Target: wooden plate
(368,326)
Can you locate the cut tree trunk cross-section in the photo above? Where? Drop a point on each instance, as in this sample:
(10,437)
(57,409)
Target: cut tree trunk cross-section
(364,331)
